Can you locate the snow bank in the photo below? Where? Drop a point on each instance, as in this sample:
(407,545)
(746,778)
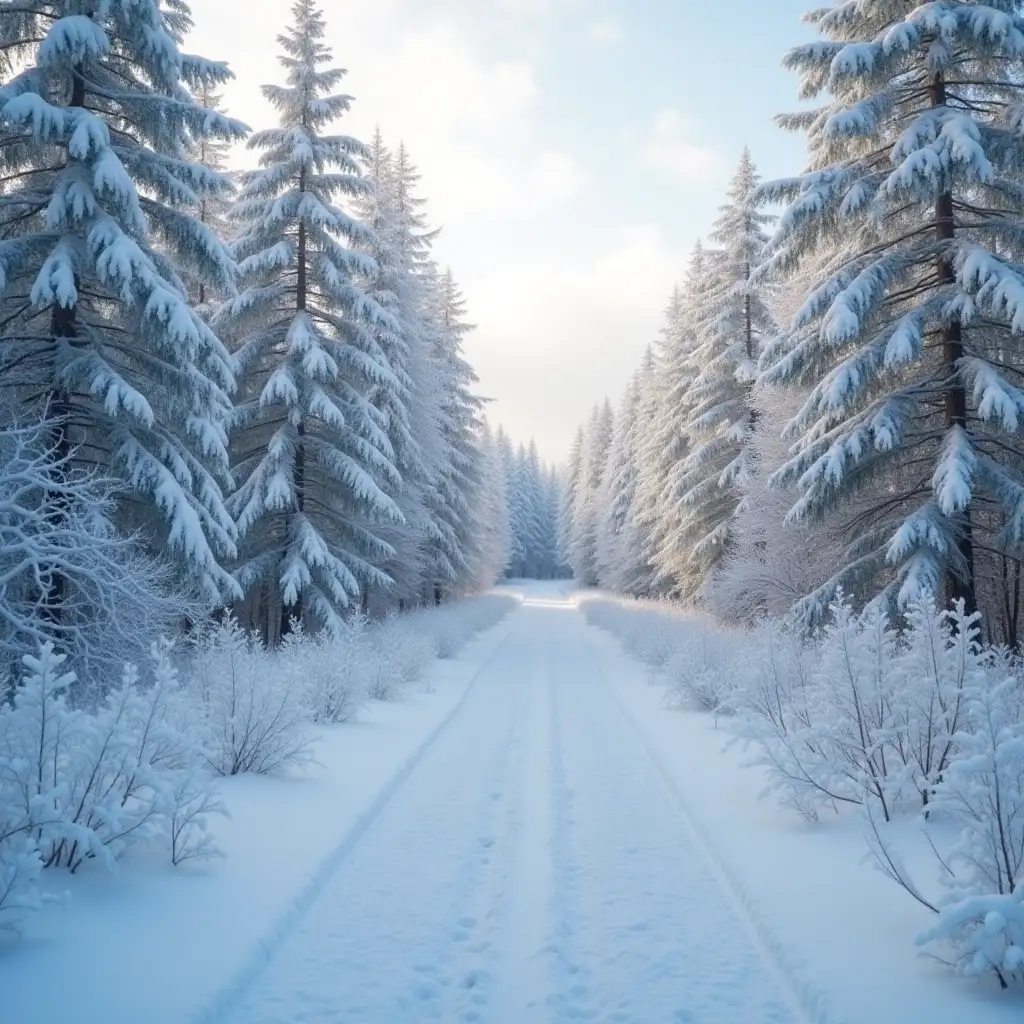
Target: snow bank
(80,784)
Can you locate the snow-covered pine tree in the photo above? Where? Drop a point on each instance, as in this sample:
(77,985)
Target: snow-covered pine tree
(516,548)
(572,480)
(313,461)
(551,485)
(910,342)
(456,485)
(541,556)
(492,557)
(619,557)
(212,152)
(401,249)
(98,217)
(534,503)
(583,538)
(523,508)
(663,440)
(732,326)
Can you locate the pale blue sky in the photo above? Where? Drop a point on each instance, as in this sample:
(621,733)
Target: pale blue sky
(572,150)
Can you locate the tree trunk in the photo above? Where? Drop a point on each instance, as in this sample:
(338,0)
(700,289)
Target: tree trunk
(300,448)
(63,328)
(959,585)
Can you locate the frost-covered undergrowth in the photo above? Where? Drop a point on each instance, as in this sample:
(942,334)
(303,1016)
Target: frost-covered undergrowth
(919,720)
(87,783)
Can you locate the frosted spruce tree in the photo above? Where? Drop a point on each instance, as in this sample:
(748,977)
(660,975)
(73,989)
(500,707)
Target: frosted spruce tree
(617,541)
(98,217)
(662,440)
(570,491)
(524,504)
(493,544)
(584,511)
(552,484)
(534,496)
(400,248)
(455,490)
(545,555)
(312,457)
(731,327)
(212,153)
(665,517)
(909,345)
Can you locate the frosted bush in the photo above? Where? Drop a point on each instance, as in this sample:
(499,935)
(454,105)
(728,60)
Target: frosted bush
(334,670)
(980,923)
(448,636)
(865,712)
(399,654)
(403,646)
(703,668)
(253,704)
(78,785)
(696,658)
(452,626)
(57,531)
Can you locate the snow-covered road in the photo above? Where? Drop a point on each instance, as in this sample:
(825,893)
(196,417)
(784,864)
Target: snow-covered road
(532,865)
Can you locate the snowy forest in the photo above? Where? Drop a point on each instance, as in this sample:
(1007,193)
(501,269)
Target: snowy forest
(824,446)
(236,415)
(250,487)
(832,408)
(227,390)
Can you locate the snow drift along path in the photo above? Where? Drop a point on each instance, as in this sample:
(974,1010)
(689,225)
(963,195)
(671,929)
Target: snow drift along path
(532,866)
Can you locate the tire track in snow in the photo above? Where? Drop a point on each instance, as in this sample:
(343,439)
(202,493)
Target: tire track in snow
(809,1004)
(225,1002)
(462,964)
(572,997)
(504,976)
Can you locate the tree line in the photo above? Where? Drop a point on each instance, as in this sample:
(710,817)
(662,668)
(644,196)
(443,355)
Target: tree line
(834,404)
(243,390)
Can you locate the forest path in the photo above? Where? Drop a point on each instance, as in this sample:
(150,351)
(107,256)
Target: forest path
(533,867)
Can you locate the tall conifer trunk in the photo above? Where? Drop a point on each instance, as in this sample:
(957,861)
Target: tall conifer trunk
(959,586)
(295,611)
(63,327)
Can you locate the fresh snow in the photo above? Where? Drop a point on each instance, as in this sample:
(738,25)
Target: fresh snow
(156,944)
(537,837)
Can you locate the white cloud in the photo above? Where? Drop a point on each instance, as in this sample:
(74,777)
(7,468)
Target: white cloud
(669,149)
(554,339)
(457,81)
(605,31)
(468,120)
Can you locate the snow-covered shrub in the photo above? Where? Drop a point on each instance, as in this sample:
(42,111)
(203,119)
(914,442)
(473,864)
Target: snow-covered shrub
(66,575)
(862,712)
(253,704)
(402,646)
(705,666)
(451,626)
(699,660)
(981,915)
(645,628)
(778,716)
(447,638)
(855,682)
(939,661)
(865,712)
(336,669)
(979,926)
(399,653)
(77,785)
